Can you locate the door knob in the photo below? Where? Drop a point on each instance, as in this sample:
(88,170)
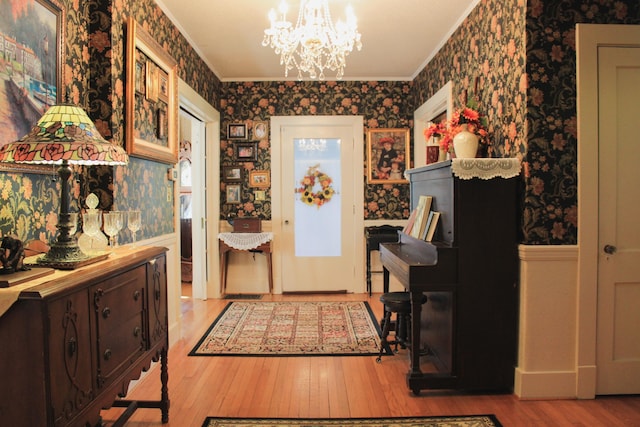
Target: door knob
(610,249)
(286,222)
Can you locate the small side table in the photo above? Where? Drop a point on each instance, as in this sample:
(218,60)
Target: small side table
(374,236)
(239,242)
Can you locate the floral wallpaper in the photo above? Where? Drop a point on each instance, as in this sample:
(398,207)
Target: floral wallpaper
(142,184)
(517,57)
(93,73)
(383,105)
(550,198)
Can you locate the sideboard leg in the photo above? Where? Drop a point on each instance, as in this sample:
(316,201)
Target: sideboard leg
(164,378)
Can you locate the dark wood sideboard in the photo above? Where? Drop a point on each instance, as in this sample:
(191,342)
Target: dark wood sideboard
(467,329)
(72,343)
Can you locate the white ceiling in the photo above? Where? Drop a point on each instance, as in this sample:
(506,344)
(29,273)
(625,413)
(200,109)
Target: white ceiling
(398,37)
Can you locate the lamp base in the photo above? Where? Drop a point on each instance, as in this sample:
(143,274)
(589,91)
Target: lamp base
(68,257)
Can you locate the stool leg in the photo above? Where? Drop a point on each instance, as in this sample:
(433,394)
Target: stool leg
(385,334)
(401,335)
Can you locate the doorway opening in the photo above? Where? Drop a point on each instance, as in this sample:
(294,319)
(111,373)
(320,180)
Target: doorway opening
(197,203)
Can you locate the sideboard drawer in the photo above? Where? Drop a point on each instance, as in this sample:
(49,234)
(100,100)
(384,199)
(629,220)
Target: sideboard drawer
(119,348)
(119,309)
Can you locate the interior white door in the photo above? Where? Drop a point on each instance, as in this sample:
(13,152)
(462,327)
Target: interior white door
(320,197)
(618,318)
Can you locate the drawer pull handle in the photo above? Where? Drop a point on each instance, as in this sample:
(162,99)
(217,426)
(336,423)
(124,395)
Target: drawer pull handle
(136,295)
(136,331)
(106,312)
(73,346)
(107,354)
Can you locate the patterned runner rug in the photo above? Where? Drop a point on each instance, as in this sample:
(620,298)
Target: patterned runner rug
(456,421)
(260,328)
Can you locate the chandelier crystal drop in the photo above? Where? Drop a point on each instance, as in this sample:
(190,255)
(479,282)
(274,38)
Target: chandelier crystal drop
(315,44)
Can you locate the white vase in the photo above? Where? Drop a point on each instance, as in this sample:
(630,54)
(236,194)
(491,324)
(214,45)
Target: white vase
(465,144)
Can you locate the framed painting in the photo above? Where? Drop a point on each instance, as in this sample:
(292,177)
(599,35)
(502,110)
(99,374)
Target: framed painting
(259,179)
(162,125)
(260,130)
(140,78)
(151,90)
(231,173)
(246,151)
(31,70)
(233,194)
(163,86)
(151,122)
(237,131)
(387,155)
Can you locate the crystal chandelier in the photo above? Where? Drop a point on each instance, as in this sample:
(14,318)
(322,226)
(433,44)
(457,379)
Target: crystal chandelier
(315,44)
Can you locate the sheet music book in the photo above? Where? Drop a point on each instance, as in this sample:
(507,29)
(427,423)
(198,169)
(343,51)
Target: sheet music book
(432,226)
(423,208)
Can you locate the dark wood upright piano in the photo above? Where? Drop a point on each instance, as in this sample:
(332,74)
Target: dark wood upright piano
(467,330)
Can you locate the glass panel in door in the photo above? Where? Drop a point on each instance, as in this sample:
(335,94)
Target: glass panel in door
(317,162)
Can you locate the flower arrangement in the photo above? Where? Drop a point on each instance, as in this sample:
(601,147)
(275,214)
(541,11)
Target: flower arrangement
(307,194)
(446,130)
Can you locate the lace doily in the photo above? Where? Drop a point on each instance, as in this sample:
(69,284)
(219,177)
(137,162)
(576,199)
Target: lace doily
(486,168)
(245,241)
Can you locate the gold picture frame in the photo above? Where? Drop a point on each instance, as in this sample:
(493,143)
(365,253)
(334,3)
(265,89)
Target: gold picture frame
(388,155)
(260,130)
(150,134)
(259,179)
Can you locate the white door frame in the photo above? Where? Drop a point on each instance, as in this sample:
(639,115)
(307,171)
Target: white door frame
(440,102)
(356,122)
(207,216)
(588,38)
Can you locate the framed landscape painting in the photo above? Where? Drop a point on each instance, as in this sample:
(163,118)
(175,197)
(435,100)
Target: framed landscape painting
(31,69)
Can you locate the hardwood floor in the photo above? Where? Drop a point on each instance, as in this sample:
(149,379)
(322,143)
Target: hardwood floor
(336,387)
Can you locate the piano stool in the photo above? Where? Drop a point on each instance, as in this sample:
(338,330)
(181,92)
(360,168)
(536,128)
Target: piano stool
(399,303)
(375,235)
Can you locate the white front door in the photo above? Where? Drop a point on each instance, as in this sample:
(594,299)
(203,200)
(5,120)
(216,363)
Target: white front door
(317,203)
(618,318)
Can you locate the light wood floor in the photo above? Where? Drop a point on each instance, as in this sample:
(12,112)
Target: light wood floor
(336,387)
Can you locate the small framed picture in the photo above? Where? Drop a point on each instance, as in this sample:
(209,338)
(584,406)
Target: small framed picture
(163,86)
(152,81)
(259,179)
(237,131)
(162,126)
(260,130)
(233,194)
(140,78)
(246,151)
(231,173)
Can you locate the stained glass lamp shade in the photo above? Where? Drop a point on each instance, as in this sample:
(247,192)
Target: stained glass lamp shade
(64,135)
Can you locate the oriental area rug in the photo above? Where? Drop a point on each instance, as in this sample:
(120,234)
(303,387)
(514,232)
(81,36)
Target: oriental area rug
(257,328)
(448,421)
